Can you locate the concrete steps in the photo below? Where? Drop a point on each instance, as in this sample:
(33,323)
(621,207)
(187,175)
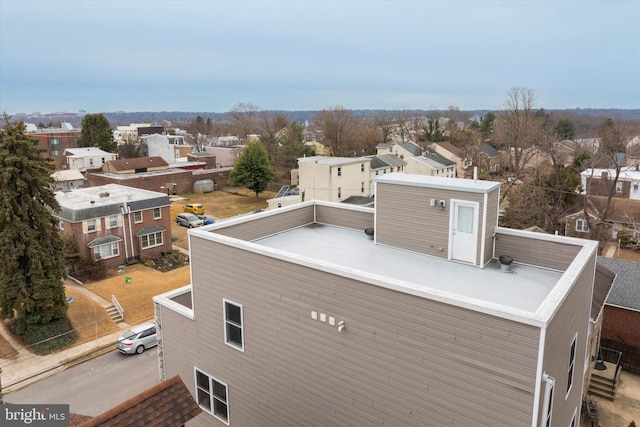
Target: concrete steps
(114,314)
(603,386)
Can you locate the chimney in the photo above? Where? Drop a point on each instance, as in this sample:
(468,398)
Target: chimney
(104,194)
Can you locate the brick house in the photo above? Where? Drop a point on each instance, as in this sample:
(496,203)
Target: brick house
(597,182)
(54,141)
(114,224)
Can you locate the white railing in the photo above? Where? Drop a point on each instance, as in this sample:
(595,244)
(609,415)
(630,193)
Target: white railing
(117,305)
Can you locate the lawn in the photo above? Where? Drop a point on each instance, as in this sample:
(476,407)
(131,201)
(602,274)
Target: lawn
(219,204)
(136,295)
(88,318)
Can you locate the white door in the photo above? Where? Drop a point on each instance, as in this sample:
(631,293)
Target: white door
(464,237)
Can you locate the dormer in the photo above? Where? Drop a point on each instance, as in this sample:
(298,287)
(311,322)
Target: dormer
(449,218)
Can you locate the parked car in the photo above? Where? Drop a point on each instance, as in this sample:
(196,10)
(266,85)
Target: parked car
(194,208)
(206,219)
(189,220)
(138,339)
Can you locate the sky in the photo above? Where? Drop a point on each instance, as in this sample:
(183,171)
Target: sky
(209,56)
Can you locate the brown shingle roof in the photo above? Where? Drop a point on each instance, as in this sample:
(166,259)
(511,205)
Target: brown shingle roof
(166,404)
(137,163)
(451,148)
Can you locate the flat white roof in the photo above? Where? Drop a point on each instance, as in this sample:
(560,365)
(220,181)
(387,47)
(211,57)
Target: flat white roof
(520,292)
(82,197)
(333,161)
(458,184)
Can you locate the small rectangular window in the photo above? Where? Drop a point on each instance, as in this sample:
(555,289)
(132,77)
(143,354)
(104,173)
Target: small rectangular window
(582,225)
(339,171)
(618,187)
(112,221)
(91,225)
(157,213)
(137,216)
(61,225)
(362,187)
(574,419)
(362,167)
(233,324)
(572,362)
(212,396)
(549,408)
(339,192)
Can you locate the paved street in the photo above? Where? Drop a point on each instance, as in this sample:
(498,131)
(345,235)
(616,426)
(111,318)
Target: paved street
(96,385)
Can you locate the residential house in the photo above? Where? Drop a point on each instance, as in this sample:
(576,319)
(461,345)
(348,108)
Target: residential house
(456,155)
(114,224)
(623,216)
(133,132)
(382,164)
(400,150)
(68,180)
(432,164)
(172,148)
(597,182)
(333,179)
(489,158)
(318,148)
(54,141)
(621,323)
(225,156)
(297,317)
(87,158)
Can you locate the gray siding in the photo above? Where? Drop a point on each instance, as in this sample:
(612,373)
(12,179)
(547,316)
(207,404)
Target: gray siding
(402,360)
(571,318)
(271,224)
(542,253)
(346,218)
(184,299)
(404,218)
(493,200)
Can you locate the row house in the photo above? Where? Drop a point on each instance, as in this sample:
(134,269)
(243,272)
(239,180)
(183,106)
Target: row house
(598,182)
(382,164)
(400,150)
(334,179)
(54,141)
(432,164)
(433,316)
(115,224)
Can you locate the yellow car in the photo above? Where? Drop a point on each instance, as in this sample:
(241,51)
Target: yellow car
(195,208)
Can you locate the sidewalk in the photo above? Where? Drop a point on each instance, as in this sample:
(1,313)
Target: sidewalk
(29,367)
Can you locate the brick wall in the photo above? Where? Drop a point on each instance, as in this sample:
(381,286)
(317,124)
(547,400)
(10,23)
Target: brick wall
(184,179)
(621,325)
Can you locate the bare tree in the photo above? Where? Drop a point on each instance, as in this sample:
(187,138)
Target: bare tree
(338,128)
(244,115)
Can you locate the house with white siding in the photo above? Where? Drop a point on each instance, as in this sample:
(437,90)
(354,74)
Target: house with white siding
(87,158)
(421,311)
(432,164)
(333,179)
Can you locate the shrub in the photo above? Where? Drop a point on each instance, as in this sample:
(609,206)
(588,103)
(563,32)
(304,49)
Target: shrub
(46,338)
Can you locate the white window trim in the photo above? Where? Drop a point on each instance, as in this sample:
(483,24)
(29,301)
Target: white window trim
(107,221)
(98,256)
(156,240)
(224,314)
(583,223)
(571,369)
(141,217)
(574,419)
(159,213)
(211,393)
(619,187)
(95,225)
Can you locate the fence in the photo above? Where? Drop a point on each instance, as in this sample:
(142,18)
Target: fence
(630,359)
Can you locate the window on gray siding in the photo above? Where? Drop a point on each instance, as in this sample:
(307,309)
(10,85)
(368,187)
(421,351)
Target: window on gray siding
(212,396)
(233,324)
(547,421)
(572,362)
(574,419)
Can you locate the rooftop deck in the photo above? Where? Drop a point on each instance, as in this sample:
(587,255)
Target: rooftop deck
(521,291)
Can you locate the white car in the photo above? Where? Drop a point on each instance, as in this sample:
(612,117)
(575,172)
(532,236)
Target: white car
(189,220)
(138,339)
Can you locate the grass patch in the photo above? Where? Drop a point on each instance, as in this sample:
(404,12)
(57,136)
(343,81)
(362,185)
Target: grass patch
(88,318)
(136,297)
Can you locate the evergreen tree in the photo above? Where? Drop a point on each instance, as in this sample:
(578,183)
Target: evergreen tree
(31,249)
(96,132)
(252,169)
